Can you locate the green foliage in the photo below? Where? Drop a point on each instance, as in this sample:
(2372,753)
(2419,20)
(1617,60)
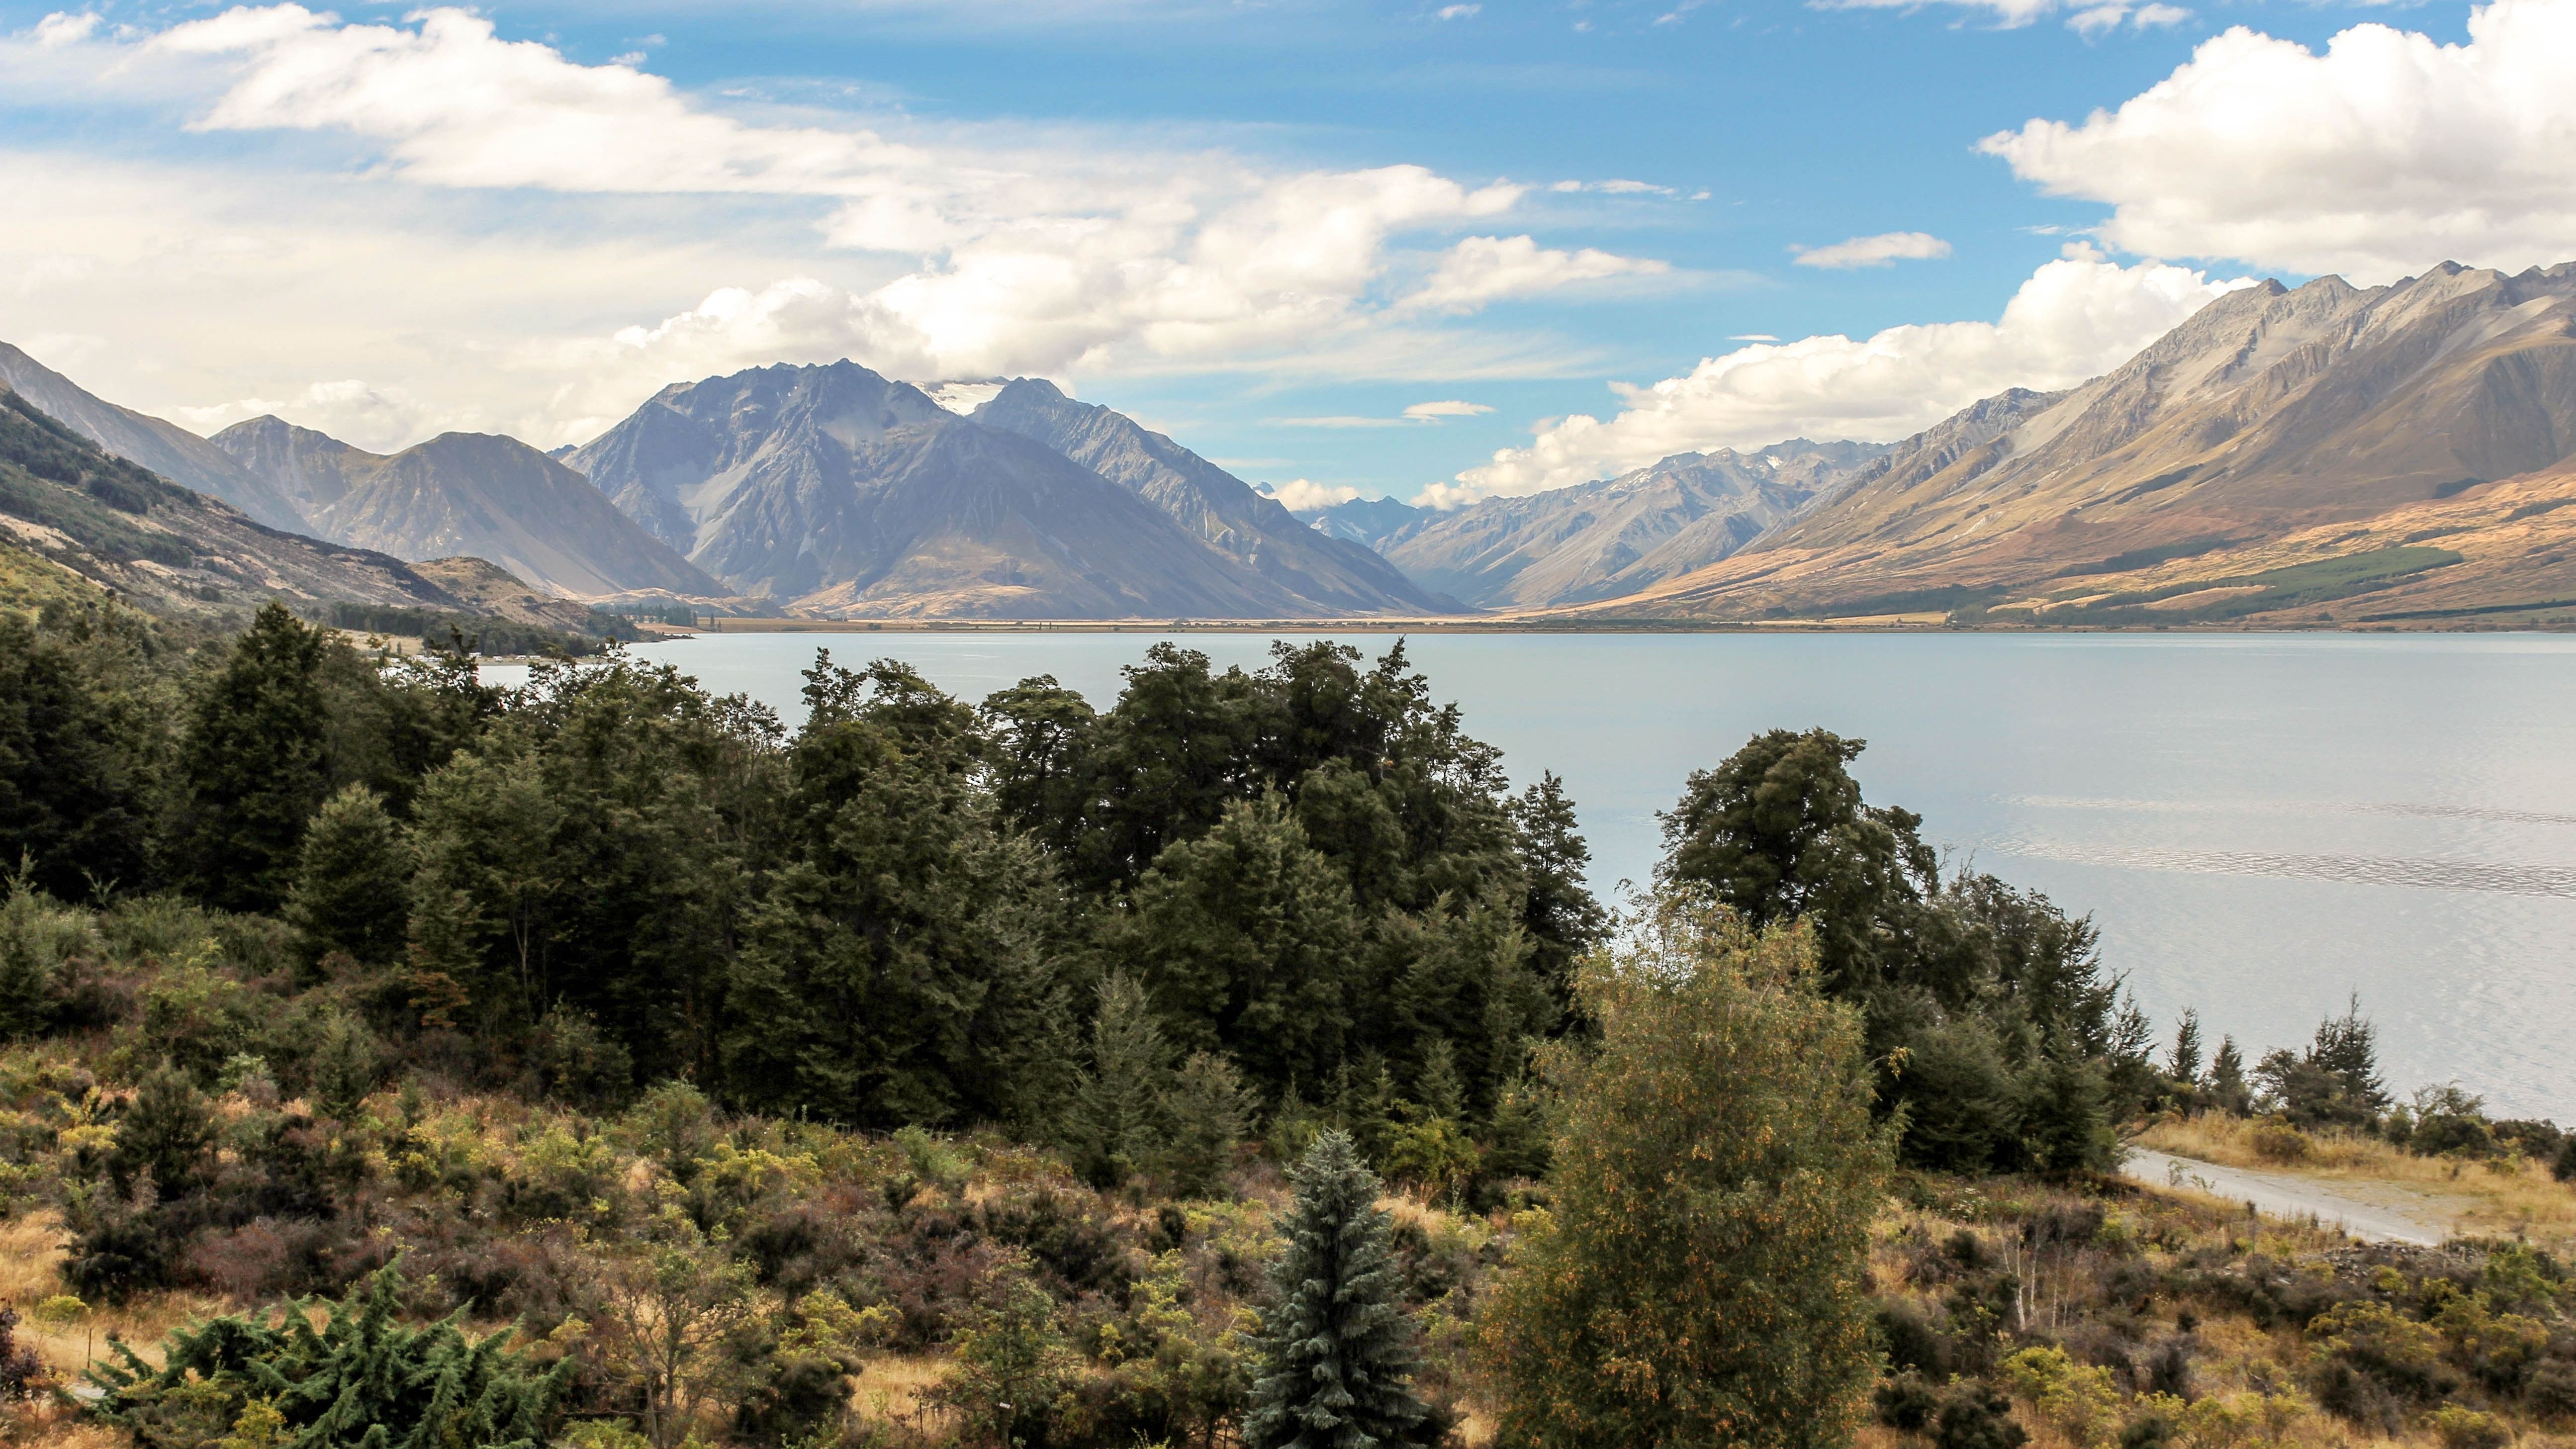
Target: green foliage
(1699,1277)
(41,946)
(1336,1351)
(1120,1116)
(163,1137)
(896,971)
(364,1379)
(1014,1362)
(1210,1110)
(2334,1083)
(1248,940)
(79,751)
(352,880)
(2002,1043)
(255,763)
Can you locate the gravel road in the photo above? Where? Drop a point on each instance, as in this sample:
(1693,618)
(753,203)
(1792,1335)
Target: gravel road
(2378,1211)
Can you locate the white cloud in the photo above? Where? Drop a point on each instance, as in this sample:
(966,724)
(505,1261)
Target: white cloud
(1458,12)
(925,251)
(2075,318)
(2383,155)
(60,29)
(1882,250)
(378,419)
(1753,337)
(1432,412)
(1297,494)
(1483,269)
(2090,20)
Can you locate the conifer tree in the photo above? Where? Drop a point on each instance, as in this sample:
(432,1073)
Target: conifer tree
(2227,1085)
(165,1135)
(353,880)
(1209,1110)
(255,763)
(1118,1114)
(1336,1353)
(2186,1049)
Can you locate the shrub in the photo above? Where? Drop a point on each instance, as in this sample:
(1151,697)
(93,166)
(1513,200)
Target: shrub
(1905,1403)
(1715,1175)
(363,1378)
(2391,1348)
(1974,1416)
(2275,1140)
(2462,1428)
(2082,1401)
(22,1373)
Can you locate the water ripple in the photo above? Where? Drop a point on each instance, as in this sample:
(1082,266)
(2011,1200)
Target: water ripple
(2411,809)
(2500,877)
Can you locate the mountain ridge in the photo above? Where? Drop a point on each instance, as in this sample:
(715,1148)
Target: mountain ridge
(837,491)
(155,444)
(1325,573)
(2269,412)
(477,494)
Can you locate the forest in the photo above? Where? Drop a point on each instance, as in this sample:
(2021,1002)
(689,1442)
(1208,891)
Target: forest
(391,1059)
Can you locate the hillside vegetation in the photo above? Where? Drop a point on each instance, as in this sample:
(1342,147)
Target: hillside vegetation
(387,1059)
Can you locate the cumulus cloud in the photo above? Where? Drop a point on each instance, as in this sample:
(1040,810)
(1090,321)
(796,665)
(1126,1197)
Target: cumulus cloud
(1297,494)
(1483,269)
(2075,318)
(1885,249)
(2377,158)
(923,251)
(378,419)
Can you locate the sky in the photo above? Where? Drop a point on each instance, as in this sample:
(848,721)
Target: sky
(1434,251)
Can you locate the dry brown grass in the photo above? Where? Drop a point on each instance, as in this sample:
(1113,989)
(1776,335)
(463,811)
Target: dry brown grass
(2509,1198)
(31,1260)
(892,1387)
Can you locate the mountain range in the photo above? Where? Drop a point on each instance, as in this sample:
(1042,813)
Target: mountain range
(1618,536)
(2271,414)
(66,508)
(840,493)
(2331,454)
(465,494)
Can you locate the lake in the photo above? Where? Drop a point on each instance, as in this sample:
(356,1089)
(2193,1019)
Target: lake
(2260,824)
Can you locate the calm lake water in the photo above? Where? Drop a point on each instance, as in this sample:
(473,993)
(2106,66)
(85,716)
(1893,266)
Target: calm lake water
(2260,824)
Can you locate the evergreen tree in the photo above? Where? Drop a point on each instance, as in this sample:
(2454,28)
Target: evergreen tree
(1702,1277)
(2227,1085)
(2185,1060)
(1336,1351)
(166,1133)
(79,754)
(1248,939)
(897,972)
(352,881)
(1778,831)
(1209,1110)
(1119,1117)
(1563,919)
(255,764)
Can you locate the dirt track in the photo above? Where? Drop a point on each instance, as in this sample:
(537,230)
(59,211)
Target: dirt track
(2378,1211)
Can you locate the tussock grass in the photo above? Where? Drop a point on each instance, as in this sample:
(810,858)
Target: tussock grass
(2504,1198)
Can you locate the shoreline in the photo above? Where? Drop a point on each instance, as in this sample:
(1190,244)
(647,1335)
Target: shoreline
(1890,624)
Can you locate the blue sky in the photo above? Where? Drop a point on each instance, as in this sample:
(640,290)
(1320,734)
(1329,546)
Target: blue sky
(1269,229)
